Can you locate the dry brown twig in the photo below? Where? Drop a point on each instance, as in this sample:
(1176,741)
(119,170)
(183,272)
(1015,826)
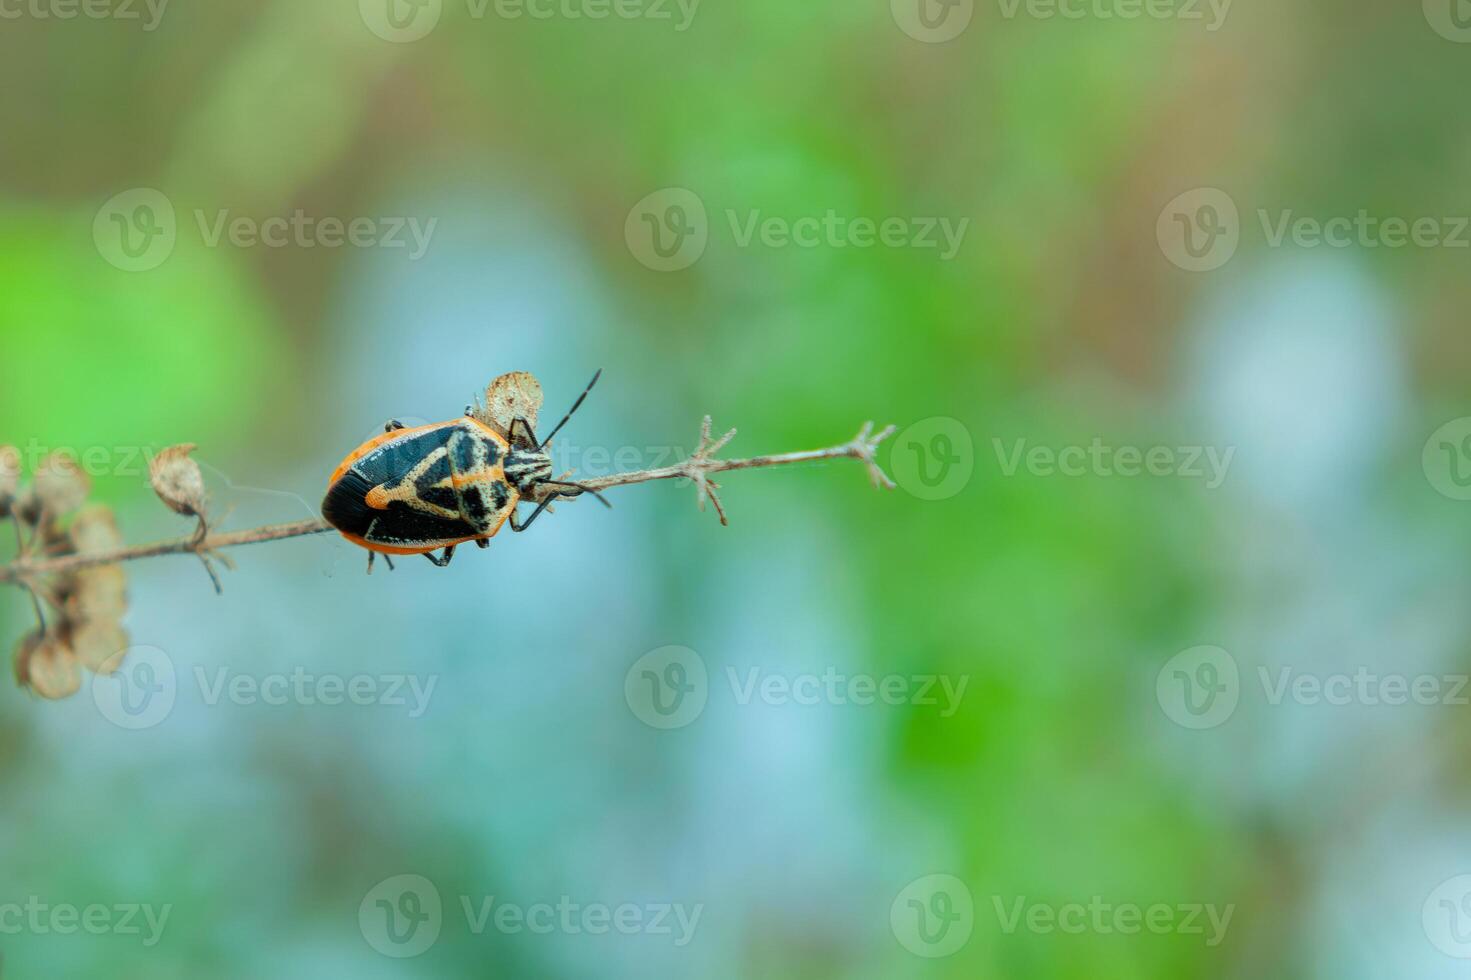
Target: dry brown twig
(696,469)
(77,571)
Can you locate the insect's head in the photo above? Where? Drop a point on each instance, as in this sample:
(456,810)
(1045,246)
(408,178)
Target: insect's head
(525,468)
(529,465)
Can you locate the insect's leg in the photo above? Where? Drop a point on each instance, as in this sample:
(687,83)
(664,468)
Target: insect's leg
(372,555)
(442,561)
(515,521)
(520,436)
(580,489)
(515,526)
(483,542)
(392,425)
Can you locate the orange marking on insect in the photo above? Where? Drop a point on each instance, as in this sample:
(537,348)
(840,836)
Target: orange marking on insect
(377,498)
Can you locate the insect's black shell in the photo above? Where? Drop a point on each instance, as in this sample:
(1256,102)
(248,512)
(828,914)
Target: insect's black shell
(346,509)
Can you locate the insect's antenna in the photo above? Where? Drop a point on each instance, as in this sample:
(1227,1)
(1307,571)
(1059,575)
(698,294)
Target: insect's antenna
(581,489)
(575,406)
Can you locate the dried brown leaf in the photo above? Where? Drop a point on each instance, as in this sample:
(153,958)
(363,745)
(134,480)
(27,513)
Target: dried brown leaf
(98,643)
(97,594)
(9,477)
(177,480)
(509,397)
(94,531)
(48,667)
(60,485)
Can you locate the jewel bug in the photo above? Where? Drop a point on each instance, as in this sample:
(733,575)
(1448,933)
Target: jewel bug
(415,491)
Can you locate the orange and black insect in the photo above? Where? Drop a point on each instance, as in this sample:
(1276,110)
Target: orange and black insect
(416,491)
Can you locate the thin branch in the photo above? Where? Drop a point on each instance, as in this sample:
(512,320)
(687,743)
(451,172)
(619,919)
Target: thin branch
(22,551)
(183,546)
(697,468)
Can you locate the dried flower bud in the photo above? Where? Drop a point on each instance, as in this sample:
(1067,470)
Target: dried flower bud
(24,650)
(47,666)
(98,644)
(96,594)
(60,485)
(94,531)
(177,480)
(509,397)
(9,477)
(27,507)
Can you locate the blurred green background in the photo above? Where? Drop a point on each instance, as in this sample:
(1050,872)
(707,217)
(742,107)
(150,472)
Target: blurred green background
(690,197)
